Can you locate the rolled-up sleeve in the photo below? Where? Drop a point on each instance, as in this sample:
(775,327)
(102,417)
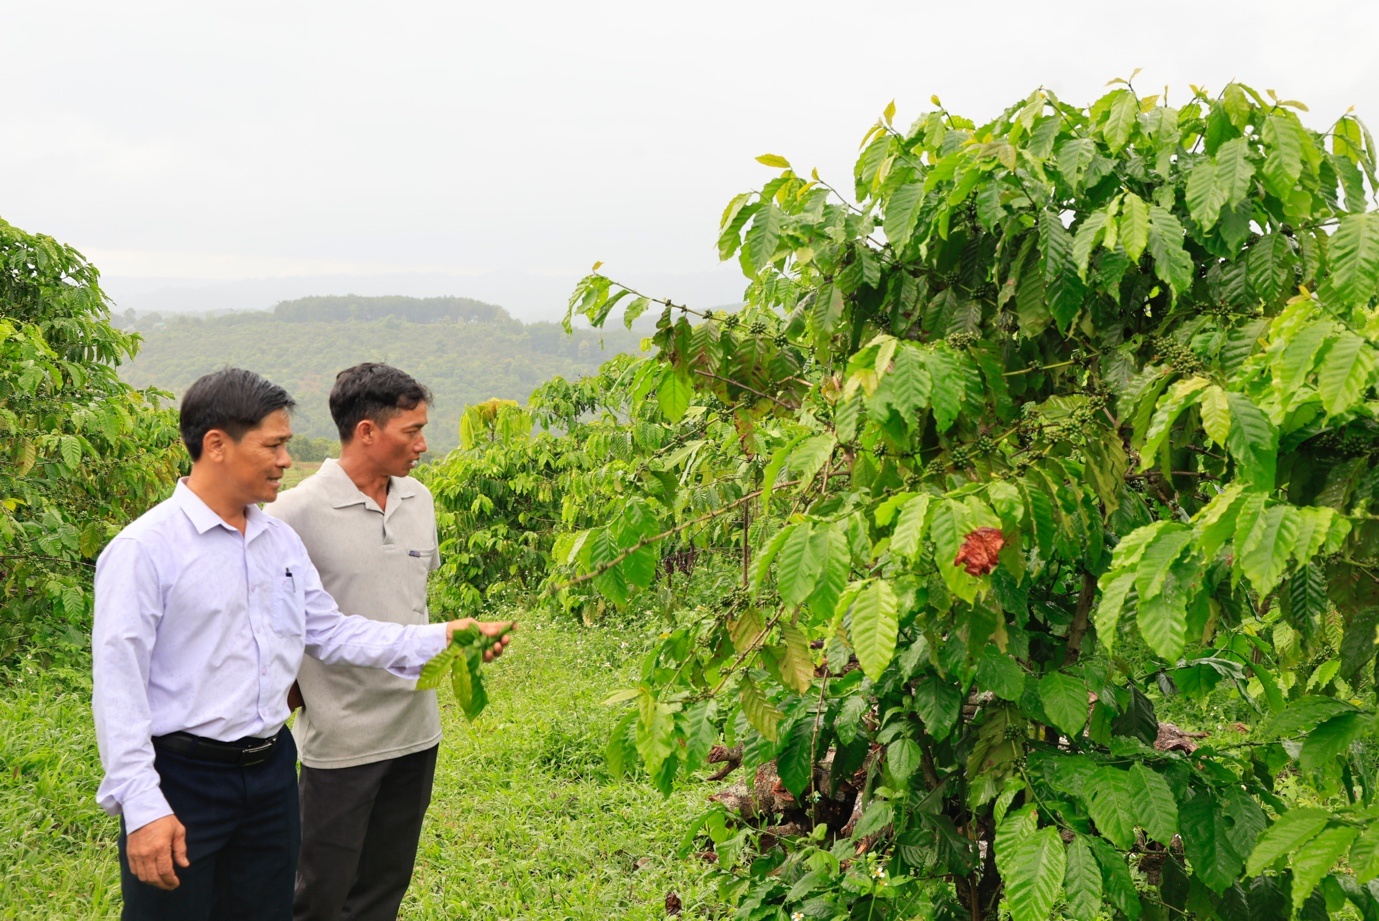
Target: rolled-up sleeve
(128,610)
(347,639)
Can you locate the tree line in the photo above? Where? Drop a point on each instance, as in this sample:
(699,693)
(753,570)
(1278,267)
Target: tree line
(414,309)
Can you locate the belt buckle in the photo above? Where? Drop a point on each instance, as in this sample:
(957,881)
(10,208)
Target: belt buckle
(246,756)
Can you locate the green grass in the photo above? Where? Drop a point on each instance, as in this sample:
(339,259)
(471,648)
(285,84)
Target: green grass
(58,852)
(525,822)
(299,471)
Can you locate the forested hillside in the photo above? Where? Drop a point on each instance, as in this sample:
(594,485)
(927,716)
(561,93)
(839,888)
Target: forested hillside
(416,309)
(464,350)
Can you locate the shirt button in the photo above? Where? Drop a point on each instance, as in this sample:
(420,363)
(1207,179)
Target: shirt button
(265,672)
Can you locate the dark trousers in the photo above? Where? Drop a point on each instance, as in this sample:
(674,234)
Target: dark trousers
(243,833)
(360,828)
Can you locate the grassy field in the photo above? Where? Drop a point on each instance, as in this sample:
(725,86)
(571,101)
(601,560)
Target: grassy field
(525,822)
(299,471)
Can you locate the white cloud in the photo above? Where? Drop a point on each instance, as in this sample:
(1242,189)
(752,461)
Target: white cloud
(259,139)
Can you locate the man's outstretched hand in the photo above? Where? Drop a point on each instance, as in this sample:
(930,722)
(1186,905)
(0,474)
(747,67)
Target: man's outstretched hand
(488,628)
(154,848)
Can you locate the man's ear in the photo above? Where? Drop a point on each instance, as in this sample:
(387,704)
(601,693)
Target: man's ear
(213,445)
(365,431)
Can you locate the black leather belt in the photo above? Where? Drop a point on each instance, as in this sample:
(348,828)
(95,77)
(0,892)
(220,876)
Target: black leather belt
(246,752)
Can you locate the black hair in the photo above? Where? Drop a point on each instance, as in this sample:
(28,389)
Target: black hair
(233,400)
(372,391)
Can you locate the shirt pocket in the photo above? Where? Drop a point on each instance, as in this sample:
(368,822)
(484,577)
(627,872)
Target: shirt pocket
(418,568)
(289,607)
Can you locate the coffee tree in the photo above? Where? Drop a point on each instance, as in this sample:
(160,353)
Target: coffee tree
(81,454)
(1069,419)
(524,475)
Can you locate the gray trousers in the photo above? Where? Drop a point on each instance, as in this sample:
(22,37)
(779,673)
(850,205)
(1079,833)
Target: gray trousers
(360,828)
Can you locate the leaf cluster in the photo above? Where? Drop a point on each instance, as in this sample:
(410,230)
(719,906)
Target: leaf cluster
(1138,340)
(81,453)
(462,660)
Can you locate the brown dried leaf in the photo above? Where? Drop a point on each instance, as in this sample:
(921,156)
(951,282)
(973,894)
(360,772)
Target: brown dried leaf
(979,551)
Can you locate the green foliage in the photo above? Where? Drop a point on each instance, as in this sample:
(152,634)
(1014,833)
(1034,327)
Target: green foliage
(493,422)
(1070,417)
(462,660)
(308,450)
(81,453)
(1035,875)
(464,355)
(505,497)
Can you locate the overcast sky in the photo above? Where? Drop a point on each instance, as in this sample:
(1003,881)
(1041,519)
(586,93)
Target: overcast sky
(256,140)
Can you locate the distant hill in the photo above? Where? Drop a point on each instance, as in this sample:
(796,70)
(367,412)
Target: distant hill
(527,296)
(466,351)
(414,309)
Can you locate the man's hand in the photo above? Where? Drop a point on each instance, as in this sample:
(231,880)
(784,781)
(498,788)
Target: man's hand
(486,627)
(154,848)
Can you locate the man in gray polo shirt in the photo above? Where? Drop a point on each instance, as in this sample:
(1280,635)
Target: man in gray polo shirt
(367,739)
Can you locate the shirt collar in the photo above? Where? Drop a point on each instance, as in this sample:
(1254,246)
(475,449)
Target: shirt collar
(342,492)
(204,519)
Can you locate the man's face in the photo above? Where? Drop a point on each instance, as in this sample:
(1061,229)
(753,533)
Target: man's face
(399,443)
(254,465)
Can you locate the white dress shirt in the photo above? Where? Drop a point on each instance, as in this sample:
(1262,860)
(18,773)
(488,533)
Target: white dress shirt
(201,629)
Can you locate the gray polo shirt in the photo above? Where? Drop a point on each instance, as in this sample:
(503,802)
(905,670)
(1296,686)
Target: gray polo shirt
(373,563)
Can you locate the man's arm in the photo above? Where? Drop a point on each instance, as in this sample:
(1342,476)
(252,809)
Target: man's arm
(334,637)
(128,610)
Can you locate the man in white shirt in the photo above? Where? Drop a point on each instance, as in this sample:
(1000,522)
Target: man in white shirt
(204,608)
(367,740)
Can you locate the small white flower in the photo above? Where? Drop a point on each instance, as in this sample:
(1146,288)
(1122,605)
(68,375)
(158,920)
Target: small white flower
(879,873)
(797,916)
